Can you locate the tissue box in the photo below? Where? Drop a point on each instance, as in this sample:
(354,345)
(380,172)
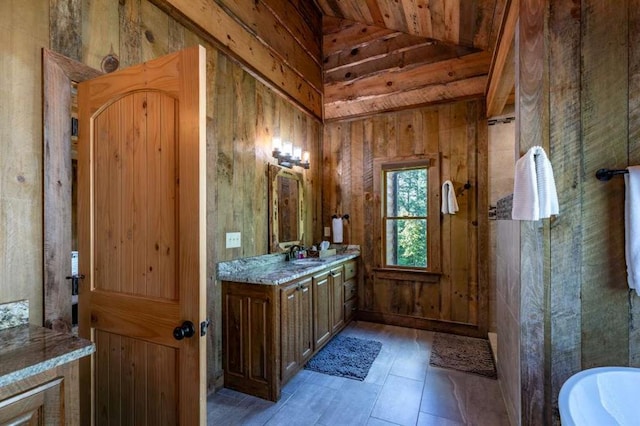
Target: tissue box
(327,253)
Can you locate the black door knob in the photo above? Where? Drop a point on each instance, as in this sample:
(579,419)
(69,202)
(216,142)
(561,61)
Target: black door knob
(185,330)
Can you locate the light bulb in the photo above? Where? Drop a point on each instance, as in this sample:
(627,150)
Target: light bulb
(297,153)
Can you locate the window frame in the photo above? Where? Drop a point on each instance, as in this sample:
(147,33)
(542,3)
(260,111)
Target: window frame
(431,163)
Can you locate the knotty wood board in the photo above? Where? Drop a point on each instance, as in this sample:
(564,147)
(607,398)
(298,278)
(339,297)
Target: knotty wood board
(567,230)
(532,130)
(214,24)
(26,31)
(58,74)
(634,157)
(605,316)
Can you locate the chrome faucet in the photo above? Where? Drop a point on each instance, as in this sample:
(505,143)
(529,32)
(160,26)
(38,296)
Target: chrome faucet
(293,250)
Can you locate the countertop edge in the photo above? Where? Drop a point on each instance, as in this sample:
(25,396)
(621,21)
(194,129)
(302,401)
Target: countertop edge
(295,274)
(42,366)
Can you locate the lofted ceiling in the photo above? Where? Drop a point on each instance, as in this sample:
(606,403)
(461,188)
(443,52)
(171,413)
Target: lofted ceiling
(382,55)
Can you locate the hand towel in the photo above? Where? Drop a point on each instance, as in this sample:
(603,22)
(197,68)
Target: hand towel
(632,226)
(337,229)
(449,202)
(534,189)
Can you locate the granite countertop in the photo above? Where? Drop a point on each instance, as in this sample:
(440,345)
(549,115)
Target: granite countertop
(28,349)
(274,270)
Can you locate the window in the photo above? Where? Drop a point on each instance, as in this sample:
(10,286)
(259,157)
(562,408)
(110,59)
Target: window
(410,226)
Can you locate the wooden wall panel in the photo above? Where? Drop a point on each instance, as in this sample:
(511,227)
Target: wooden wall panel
(257,38)
(634,157)
(566,246)
(532,129)
(451,131)
(605,99)
(26,31)
(576,98)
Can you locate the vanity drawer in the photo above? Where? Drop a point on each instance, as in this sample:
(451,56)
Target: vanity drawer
(350,269)
(350,289)
(350,307)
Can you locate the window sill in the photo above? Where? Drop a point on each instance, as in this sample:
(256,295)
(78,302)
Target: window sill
(407,274)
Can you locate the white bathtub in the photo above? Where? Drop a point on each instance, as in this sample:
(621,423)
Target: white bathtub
(601,396)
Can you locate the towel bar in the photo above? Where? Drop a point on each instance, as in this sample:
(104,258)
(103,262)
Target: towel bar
(606,174)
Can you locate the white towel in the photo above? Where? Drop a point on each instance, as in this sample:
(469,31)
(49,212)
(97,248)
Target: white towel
(534,188)
(337,229)
(632,226)
(449,202)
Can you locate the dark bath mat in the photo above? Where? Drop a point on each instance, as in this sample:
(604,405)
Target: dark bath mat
(462,353)
(344,356)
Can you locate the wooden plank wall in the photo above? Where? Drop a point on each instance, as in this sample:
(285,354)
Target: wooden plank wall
(278,41)
(578,77)
(458,133)
(243,115)
(26,31)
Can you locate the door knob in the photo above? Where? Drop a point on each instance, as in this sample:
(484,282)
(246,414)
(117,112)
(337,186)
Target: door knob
(185,330)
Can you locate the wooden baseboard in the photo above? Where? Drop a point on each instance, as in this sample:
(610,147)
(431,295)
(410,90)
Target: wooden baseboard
(421,323)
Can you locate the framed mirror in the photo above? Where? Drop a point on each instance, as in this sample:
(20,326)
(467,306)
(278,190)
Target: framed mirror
(286,208)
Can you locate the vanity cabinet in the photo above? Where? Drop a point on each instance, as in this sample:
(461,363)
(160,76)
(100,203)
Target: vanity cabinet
(271,331)
(296,326)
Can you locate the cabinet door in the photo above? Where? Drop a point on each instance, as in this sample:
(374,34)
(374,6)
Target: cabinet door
(41,405)
(337,298)
(306,320)
(249,349)
(321,309)
(289,329)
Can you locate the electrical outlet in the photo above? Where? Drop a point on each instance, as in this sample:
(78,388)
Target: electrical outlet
(327,231)
(233,239)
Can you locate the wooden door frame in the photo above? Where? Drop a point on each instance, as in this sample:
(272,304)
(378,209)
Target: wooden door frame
(58,72)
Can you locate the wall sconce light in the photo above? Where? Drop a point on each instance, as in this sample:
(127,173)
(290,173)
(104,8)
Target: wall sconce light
(289,155)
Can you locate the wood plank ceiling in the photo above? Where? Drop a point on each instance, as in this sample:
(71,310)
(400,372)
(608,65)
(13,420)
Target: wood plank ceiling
(383,55)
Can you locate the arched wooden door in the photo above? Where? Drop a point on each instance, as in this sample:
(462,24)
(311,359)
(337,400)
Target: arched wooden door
(141,227)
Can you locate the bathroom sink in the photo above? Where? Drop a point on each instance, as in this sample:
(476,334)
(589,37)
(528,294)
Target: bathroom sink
(308,261)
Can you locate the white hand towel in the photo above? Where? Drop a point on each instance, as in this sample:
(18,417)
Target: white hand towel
(337,229)
(534,188)
(632,226)
(449,202)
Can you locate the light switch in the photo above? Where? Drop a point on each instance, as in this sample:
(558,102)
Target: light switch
(327,231)
(233,239)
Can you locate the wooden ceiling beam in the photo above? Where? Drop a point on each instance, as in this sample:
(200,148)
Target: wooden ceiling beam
(502,72)
(393,43)
(339,33)
(397,81)
(401,59)
(456,90)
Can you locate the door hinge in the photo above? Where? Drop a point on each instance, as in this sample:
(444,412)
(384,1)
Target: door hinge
(203,327)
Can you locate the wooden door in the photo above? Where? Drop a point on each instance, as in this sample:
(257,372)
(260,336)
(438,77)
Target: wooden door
(321,309)
(141,227)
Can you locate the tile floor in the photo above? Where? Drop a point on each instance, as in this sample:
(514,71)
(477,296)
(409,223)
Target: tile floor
(400,389)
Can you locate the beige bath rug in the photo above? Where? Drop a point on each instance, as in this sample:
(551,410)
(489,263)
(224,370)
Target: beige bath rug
(462,353)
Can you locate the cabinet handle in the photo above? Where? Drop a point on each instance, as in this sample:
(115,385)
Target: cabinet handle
(290,297)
